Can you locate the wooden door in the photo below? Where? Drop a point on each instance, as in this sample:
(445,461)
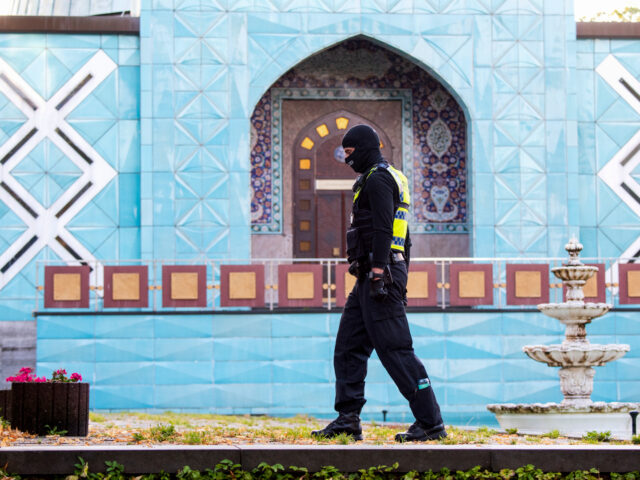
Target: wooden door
(323,186)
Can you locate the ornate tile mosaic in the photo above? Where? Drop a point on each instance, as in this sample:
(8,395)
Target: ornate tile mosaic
(437,166)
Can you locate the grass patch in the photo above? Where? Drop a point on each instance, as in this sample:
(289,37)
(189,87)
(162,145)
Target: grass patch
(97,418)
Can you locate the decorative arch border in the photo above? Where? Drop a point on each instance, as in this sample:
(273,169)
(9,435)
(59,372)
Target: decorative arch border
(280,94)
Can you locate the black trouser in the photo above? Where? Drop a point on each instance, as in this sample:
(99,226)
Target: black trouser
(367,324)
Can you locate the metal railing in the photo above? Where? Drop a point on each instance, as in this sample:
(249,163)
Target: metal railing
(500,287)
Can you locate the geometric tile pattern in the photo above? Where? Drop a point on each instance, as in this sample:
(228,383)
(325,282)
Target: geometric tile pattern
(472,358)
(87,87)
(49,171)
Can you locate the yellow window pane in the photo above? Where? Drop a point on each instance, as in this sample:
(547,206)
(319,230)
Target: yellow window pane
(322,130)
(126,286)
(305,225)
(305,246)
(66,287)
(342,123)
(471,284)
(307,143)
(305,163)
(381,145)
(304,184)
(528,284)
(304,205)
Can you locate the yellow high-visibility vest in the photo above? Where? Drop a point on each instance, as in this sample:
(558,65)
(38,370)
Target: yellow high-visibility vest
(400,220)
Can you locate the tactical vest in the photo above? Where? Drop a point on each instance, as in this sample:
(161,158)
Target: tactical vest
(361,231)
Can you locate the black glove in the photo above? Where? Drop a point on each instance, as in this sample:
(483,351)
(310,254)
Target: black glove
(378,290)
(353,268)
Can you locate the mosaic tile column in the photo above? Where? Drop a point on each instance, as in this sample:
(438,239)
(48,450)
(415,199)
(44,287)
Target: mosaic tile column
(195,132)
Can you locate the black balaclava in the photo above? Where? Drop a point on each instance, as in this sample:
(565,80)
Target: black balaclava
(367,148)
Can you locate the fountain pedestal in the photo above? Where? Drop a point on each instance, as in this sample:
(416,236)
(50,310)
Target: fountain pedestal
(577,414)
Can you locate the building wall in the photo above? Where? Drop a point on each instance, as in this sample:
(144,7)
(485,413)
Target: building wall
(282,364)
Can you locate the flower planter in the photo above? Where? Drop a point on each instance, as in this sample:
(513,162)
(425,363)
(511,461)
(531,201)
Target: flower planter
(42,408)
(5,404)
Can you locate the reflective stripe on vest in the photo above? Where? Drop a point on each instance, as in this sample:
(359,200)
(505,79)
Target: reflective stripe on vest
(400,225)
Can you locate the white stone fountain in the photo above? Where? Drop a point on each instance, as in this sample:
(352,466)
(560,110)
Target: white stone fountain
(576,414)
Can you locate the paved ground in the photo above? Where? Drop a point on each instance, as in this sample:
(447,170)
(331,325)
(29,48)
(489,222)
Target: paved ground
(193,429)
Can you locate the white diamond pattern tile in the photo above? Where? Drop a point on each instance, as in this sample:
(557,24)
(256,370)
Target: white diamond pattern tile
(46,120)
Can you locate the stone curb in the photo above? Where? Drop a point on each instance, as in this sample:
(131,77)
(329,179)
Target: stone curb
(59,460)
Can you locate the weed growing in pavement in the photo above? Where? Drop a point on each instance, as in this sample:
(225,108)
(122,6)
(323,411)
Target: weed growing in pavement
(137,437)
(552,434)
(163,433)
(96,417)
(596,437)
(511,431)
(4,423)
(635,439)
(194,438)
(54,431)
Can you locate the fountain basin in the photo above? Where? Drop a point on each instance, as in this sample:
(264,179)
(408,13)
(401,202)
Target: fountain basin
(569,273)
(575,355)
(571,421)
(574,312)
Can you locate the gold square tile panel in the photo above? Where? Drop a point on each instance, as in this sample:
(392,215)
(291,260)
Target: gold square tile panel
(184,286)
(471,284)
(527,284)
(418,285)
(300,285)
(591,286)
(126,286)
(66,287)
(633,283)
(242,285)
(349,282)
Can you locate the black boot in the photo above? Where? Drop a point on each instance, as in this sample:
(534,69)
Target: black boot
(418,433)
(348,423)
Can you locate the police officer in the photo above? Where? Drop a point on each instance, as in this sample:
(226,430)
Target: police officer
(374,315)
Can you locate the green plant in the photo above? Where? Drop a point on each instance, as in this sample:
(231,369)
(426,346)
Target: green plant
(552,434)
(194,438)
(96,417)
(595,436)
(163,433)
(511,431)
(137,437)
(115,471)
(54,431)
(635,439)
(4,423)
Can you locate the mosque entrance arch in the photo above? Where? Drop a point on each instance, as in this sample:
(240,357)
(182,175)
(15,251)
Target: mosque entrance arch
(322,184)
(427,131)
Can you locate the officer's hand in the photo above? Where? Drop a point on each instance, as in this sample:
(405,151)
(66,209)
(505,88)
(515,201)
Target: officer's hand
(378,290)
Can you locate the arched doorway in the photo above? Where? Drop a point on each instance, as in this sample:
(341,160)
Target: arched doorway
(426,127)
(322,186)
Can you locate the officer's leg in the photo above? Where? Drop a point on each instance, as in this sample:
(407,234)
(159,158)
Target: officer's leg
(352,351)
(387,324)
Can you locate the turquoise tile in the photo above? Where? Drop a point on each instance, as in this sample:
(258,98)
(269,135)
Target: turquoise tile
(54,327)
(65,350)
(313,348)
(295,371)
(244,395)
(242,372)
(114,397)
(303,395)
(123,350)
(604,391)
(183,349)
(186,397)
(234,325)
(473,347)
(532,392)
(124,373)
(243,349)
(306,325)
(187,326)
(123,326)
(183,373)
(474,394)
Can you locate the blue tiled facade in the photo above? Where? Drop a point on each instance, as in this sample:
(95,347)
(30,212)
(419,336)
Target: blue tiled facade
(172,119)
(282,363)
